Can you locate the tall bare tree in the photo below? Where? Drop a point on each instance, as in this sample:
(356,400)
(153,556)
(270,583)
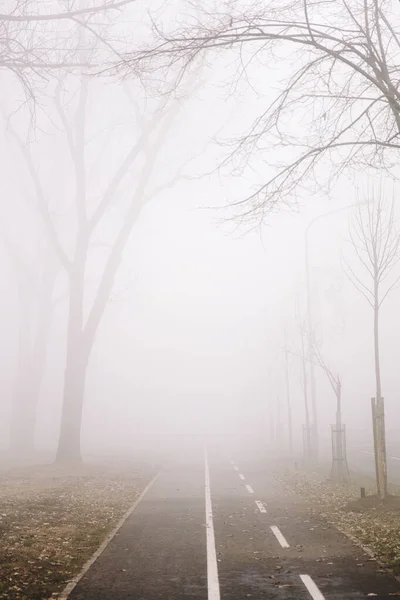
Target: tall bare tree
(139,157)
(375,242)
(342,88)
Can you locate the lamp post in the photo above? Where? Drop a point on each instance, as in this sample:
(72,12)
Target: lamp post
(310,326)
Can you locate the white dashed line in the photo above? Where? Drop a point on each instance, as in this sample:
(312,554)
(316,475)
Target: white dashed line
(212,565)
(242,477)
(249,489)
(311,587)
(277,533)
(236,468)
(261,506)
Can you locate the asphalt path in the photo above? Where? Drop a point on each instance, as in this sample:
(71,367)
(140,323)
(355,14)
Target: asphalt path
(217,526)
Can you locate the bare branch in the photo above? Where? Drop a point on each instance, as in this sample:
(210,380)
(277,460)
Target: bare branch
(376,244)
(41,199)
(65,15)
(346,77)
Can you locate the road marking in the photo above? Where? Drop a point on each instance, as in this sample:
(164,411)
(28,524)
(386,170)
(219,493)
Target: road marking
(277,533)
(236,468)
(212,565)
(232,462)
(249,489)
(261,506)
(242,476)
(394,457)
(311,587)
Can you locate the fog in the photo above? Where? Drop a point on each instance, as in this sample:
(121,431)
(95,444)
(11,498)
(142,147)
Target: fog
(186,336)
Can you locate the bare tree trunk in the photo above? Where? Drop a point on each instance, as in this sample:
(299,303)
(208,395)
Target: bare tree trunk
(376,349)
(31,367)
(340,458)
(338,404)
(23,417)
(69,446)
(379,425)
(307,413)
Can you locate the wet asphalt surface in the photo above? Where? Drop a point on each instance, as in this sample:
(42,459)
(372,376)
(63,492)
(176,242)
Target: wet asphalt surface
(160,552)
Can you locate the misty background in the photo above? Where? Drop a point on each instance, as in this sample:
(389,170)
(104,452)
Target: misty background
(192,335)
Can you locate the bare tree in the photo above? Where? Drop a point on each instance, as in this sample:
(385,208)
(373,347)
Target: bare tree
(74,255)
(334,381)
(340,469)
(35,276)
(343,85)
(375,241)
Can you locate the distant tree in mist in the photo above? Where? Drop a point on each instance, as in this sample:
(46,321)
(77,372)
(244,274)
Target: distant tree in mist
(39,41)
(339,106)
(375,245)
(92,209)
(334,382)
(34,272)
(340,470)
(35,309)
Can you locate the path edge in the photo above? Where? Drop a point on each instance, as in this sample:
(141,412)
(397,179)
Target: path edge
(64,595)
(366,549)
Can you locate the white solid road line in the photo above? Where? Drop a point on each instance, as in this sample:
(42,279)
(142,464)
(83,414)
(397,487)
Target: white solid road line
(249,489)
(65,594)
(261,506)
(311,587)
(394,457)
(212,565)
(277,533)
(242,476)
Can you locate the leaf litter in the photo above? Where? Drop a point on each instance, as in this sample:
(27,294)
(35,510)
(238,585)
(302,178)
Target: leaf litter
(53,519)
(375,524)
